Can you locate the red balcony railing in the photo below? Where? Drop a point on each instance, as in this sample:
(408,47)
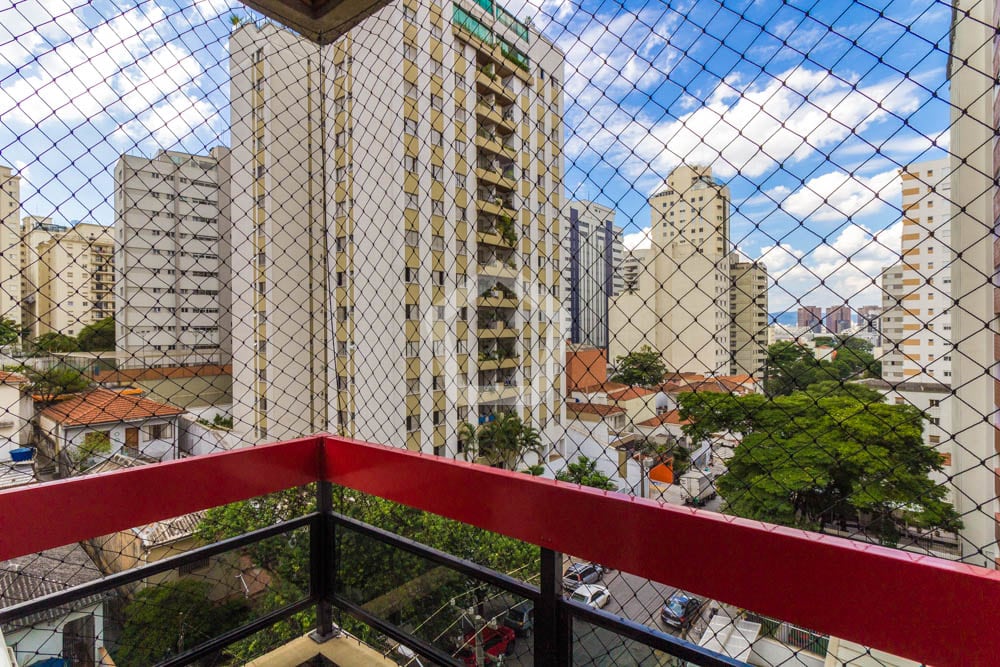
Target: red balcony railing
(919,607)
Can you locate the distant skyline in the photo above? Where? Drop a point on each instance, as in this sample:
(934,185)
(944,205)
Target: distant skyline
(805,127)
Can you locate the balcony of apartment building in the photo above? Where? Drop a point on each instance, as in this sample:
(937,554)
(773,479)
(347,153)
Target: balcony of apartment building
(489,81)
(354,582)
(496,262)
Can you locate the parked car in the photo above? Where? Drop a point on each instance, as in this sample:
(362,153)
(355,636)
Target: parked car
(521,617)
(680,609)
(592,594)
(582,573)
(496,642)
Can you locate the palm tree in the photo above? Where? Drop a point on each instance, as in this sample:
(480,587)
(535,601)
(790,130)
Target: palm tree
(501,443)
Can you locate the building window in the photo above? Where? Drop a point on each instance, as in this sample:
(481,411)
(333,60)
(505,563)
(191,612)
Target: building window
(411,275)
(159,431)
(413,423)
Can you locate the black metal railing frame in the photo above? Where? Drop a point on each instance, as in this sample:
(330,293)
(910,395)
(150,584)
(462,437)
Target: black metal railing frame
(554,614)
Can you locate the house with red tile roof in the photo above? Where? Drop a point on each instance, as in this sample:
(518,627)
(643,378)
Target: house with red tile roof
(108,422)
(638,403)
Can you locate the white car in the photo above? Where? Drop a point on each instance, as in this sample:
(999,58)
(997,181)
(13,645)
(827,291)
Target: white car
(592,594)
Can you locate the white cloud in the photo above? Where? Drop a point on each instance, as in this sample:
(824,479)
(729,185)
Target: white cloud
(844,268)
(746,128)
(639,240)
(119,71)
(837,195)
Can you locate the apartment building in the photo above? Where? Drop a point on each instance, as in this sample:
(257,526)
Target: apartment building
(10,238)
(748,318)
(426,206)
(891,322)
(917,291)
(74,277)
(631,267)
(680,305)
(594,251)
(868,321)
(810,317)
(974,212)
(34,231)
(169,210)
(838,319)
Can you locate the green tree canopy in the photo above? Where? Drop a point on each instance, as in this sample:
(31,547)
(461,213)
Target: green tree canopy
(165,619)
(644,367)
(55,342)
(9,331)
(54,381)
(832,454)
(501,443)
(791,367)
(97,337)
(584,471)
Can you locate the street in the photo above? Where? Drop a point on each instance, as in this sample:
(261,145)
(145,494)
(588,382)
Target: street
(632,597)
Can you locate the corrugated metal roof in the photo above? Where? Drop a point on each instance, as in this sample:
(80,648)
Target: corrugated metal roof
(30,577)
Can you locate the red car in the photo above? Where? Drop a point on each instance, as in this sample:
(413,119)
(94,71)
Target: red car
(496,642)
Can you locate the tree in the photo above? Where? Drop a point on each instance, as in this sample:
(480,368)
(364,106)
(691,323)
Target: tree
(94,444)
(9,331)
(55,342)
(584,471)
(388,582)
(165,619)
(501,443)
(833,454)
(97,337)
(643,367)
(55,381)
(790,367)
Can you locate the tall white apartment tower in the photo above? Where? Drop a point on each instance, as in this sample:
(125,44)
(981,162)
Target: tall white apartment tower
(593,251)
(169,212)
(415,165)
(681,304)
(917,292)
(280,237)
(10,241)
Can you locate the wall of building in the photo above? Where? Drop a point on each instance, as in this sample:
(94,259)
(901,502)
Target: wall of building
(10,233)
(45,639)
(167,265)
(972,239)
(593,251)
(391,342)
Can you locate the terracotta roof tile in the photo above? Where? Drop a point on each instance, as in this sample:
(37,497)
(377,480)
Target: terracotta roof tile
(6,377)
(671,417)
(594,409)
(102,406)
(630,393)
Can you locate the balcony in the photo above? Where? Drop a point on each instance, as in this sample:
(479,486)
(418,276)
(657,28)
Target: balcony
(859,592)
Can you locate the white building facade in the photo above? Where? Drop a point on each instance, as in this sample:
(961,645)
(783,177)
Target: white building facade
(168,275)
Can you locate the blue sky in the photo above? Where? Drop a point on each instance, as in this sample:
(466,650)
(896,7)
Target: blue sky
(805,109)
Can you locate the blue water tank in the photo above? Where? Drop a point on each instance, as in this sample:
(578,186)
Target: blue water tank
(21,454)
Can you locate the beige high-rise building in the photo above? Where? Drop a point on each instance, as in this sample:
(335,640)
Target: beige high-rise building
(917,291)
(423,269)
(681,303)
(169,212)
(10,239)
(75,279)
(34,231)
(748,318)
